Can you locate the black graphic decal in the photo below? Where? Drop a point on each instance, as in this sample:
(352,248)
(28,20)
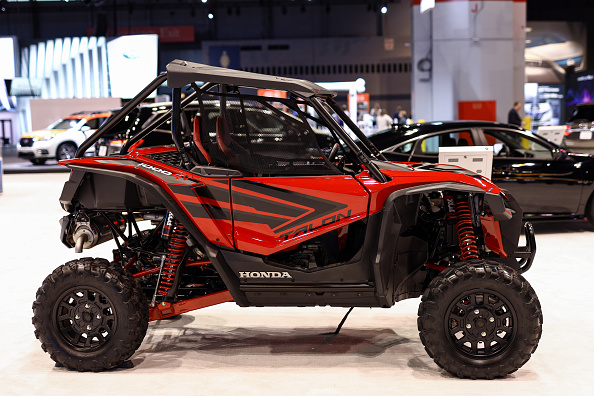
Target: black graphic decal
(291,213)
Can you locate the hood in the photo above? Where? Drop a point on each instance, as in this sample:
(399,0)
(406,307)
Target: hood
(43,134)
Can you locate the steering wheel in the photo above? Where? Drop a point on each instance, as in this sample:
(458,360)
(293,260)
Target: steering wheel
(333,152)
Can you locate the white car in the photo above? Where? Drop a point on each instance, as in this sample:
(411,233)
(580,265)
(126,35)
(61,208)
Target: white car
(61,139)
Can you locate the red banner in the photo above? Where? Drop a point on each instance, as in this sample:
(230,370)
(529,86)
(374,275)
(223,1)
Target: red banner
(167,34)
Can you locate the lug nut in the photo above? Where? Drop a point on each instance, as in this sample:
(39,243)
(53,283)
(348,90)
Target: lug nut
(483,334)
(88,327)
(468,326)
(98,316)
(491,319)
(87,306)
(77,317)
(476,311)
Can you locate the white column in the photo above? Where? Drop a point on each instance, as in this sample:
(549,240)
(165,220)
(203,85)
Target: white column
(470,51)
(77,68)
(57,85)
(67,72)
(93,67)
(102,68)
(48,86)
(85,63)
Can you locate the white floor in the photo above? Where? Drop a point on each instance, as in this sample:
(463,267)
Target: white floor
(281,351)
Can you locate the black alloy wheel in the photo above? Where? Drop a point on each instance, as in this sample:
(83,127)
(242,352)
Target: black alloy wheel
(480,319)
(85,318)
(481,323)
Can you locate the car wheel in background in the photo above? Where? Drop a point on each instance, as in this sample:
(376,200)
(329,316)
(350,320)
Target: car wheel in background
(38,161)
(65,151)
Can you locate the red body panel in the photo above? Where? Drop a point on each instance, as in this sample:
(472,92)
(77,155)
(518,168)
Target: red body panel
(379,192)
(492,233)
(270,214)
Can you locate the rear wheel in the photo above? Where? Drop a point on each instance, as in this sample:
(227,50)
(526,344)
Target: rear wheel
(65,151)
(90,316)
(480,320)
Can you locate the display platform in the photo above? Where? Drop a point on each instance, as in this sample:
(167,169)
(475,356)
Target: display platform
(11,163)
(230,350)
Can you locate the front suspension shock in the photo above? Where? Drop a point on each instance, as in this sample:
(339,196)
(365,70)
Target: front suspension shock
(459,209)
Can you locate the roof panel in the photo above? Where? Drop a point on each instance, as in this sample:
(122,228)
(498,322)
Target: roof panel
(181,73)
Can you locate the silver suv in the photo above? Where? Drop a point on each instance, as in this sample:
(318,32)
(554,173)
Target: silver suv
(580,129)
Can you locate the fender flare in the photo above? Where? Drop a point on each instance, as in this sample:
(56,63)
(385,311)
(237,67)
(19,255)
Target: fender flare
(390,227)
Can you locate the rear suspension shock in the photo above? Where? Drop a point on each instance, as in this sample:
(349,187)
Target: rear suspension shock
(175,254)
(459,208)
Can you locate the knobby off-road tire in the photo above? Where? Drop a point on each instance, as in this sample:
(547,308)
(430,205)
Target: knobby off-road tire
(90,315)
(480,320)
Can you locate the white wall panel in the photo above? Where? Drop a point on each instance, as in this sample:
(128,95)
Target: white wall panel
(476,51)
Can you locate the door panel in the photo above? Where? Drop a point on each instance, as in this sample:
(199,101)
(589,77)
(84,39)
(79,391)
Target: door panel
(526,169)
(272,214)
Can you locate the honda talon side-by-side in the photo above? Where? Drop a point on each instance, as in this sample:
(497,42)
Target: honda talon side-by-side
(277,216)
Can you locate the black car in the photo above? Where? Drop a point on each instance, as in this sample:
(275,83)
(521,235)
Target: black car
(546,180)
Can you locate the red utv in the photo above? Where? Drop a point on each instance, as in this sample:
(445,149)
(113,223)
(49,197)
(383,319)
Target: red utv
(277,216)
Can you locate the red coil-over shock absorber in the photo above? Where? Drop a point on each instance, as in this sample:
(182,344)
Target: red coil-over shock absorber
(459,209)
(175,254)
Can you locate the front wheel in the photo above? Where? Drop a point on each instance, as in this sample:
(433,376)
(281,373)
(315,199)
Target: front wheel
(65,151)
(480,320)
(90,316)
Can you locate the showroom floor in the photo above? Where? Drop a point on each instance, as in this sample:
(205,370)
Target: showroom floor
(230,350)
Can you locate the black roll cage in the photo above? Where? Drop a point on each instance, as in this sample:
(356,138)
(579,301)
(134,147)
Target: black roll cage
(182,73)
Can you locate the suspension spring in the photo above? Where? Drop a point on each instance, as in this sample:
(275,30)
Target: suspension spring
(175,254)
(466,237)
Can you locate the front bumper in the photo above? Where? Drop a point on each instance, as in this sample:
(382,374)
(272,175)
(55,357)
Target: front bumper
(38,150)
(526,253)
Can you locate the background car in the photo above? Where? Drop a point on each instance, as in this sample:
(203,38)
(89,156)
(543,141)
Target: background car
(61,139)
(580,128)
(547,181)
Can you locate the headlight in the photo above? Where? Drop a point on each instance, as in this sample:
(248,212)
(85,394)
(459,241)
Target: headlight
(43,138)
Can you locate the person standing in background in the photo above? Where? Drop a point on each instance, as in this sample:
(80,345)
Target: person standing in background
(402,118)
(375,112)
(513,117)
(396,114)
(383,120)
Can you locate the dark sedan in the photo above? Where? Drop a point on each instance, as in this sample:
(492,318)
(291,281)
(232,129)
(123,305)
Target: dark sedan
(547,181)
